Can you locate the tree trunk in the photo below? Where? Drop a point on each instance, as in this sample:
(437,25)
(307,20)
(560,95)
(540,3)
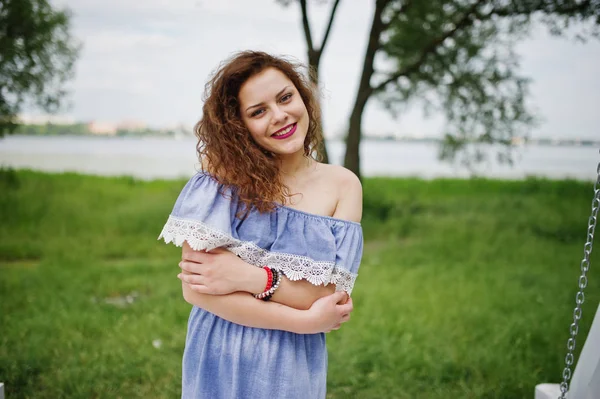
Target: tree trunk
(352,157)
(314,58)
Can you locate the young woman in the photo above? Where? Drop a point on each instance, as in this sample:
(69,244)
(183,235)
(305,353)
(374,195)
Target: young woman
(271,238)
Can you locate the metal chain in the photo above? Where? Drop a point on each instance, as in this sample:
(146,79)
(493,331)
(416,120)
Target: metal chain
(579,298)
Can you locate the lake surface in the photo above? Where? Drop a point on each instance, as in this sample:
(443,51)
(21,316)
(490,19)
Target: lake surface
(150,158)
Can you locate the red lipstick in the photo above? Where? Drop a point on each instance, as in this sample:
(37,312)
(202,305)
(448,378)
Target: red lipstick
(285,136)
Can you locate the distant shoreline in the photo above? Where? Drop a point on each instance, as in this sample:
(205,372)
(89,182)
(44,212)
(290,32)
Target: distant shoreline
(517,141)
(165,157)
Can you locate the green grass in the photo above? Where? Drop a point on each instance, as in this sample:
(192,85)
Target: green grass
(466,288)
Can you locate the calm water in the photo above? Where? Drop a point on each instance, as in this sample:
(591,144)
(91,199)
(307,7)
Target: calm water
(150,158)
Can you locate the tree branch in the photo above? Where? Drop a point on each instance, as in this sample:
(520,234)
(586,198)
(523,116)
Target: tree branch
(306,26)
(331,16)
(403,8)
(431,47)
(569,8)
(364,88)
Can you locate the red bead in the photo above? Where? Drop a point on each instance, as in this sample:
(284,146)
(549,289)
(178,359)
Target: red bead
(269,278)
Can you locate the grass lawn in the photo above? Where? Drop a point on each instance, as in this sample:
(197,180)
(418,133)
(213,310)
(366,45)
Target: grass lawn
(466,288)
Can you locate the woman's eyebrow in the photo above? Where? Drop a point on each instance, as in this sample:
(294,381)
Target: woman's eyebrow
(277,95)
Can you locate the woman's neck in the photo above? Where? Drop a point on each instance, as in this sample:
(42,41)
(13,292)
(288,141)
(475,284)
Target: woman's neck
(295,164)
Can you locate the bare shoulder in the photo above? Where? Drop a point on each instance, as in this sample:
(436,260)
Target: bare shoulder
(344,179)
(349,189)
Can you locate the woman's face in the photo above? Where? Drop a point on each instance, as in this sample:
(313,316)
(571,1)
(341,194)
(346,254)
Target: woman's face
(274,113)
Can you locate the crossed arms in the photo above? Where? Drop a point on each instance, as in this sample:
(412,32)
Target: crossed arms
(223,284)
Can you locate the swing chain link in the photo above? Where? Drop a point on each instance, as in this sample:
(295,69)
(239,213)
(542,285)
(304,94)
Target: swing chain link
(580,297)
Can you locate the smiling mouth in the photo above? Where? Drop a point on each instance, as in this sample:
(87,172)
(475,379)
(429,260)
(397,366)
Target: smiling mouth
(285,132)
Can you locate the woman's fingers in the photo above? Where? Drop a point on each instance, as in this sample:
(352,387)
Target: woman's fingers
(339,297)
(195,256)
(192,267)
(196,283)
(192,279)
(346,308)
(217,250)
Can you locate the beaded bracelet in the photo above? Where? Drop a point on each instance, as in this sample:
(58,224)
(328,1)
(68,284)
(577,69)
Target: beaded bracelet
(275,286)
(268,293)
(269,278)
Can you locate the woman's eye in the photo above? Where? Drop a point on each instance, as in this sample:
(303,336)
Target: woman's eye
(286,97)
(256,113)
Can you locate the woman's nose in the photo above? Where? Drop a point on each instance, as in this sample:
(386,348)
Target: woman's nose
(279,115)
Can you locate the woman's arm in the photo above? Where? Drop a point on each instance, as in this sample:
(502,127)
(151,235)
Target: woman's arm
(221,272)
(300,294)
(242,308)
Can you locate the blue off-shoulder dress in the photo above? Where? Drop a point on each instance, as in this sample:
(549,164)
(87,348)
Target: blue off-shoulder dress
(224,360)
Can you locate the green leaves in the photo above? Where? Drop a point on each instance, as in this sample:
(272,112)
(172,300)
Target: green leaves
(37,55)
(457,57)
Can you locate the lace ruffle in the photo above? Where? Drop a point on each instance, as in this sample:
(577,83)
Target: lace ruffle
(201,236)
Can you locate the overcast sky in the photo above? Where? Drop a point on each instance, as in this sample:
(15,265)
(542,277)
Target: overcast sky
(148,60)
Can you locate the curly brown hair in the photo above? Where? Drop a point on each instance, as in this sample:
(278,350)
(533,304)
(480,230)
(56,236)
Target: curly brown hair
(225,147)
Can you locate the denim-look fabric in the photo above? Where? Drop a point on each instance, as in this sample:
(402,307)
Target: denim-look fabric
(229,361)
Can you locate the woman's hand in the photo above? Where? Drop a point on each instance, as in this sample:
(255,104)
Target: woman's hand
(217,272)
(328,313)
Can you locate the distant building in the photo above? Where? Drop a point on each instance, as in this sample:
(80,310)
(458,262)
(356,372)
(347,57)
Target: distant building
(131,125)
(105,128)
(517,140)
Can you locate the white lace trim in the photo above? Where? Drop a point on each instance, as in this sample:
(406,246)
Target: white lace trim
(200,236)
